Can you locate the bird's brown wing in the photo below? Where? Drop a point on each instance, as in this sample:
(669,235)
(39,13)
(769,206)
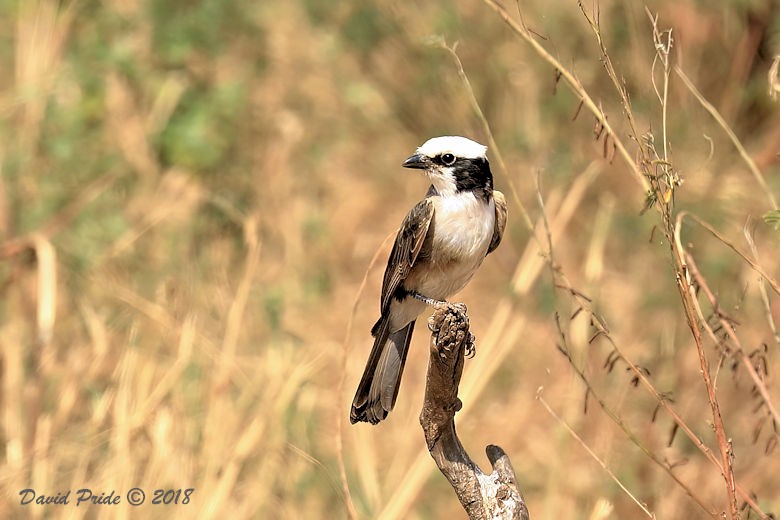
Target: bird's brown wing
(498,231)
(408,244)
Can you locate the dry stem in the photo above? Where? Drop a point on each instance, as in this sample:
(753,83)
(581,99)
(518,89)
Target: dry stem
(576,87)
(660,188)
(737,350)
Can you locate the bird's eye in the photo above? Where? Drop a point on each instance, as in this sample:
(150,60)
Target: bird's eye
(448,159)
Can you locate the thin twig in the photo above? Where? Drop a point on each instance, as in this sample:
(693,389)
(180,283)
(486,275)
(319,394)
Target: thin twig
(709,107)
(614,417)
(576,87)
(688,297)
(341,414)
(660,192)
(598,323)
(729,328)
(761,283)
(560,281)
(662,51)
(714,232)
(486,128)
(684,287)
(593,455)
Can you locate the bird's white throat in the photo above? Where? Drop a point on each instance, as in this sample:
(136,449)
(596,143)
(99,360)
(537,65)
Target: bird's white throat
(443,181)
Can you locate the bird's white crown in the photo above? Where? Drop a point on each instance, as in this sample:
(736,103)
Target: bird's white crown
(456,145)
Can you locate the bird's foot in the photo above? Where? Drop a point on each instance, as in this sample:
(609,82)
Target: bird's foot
(458,311)
(450,324)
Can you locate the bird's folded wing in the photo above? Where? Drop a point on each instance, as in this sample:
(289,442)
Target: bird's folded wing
(498,231)
(408,244)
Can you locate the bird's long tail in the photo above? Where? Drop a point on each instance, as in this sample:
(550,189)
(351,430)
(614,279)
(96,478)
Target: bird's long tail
(381,379)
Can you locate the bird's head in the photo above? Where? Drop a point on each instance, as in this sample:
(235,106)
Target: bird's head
(453,164)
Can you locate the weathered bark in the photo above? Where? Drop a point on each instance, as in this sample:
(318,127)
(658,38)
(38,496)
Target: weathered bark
(493,496)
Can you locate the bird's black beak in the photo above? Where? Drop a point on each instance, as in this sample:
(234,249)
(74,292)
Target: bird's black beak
(417,161)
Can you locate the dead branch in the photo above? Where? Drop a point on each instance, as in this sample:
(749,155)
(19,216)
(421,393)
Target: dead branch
(483,496)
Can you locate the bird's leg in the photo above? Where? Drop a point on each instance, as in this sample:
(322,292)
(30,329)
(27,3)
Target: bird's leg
(428,301)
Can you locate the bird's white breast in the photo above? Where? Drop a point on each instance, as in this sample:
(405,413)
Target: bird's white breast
(463,227)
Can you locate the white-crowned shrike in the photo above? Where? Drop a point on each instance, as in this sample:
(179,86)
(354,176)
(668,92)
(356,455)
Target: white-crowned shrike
(441,243)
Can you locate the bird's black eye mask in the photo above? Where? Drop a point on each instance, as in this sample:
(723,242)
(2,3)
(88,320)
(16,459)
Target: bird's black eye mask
(472,174)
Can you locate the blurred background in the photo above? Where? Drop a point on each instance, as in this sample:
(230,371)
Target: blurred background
(192,194)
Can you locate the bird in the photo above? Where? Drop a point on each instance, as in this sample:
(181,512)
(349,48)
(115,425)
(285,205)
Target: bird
(440,245)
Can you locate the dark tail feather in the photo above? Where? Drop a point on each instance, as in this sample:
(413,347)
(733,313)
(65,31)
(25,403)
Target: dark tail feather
(378,387)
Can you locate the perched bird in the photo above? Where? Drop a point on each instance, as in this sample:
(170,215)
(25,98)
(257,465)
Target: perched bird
(441,243)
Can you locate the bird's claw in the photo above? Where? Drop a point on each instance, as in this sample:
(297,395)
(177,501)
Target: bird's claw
(471,346)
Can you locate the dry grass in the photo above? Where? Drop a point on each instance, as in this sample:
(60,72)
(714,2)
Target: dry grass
(194,210)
